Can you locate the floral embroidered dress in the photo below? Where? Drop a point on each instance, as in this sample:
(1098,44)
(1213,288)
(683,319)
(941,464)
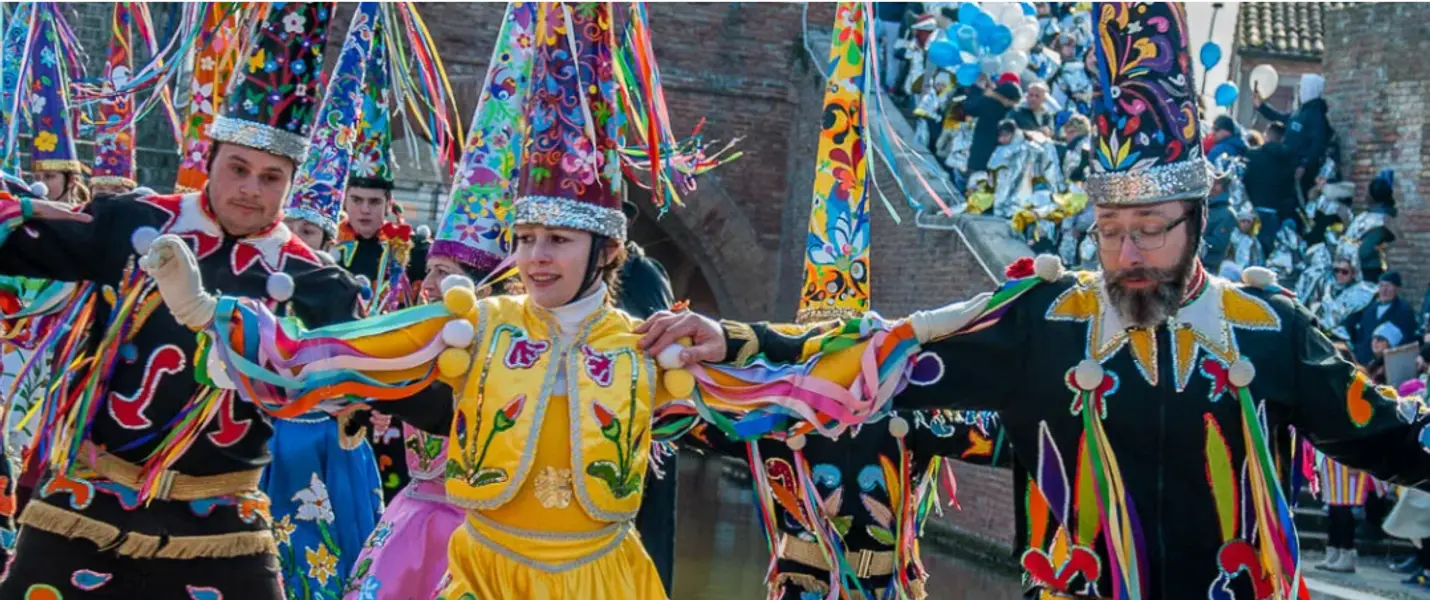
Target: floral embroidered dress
(406,555)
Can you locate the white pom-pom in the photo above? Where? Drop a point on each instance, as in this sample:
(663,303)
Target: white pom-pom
(458,333)
(1241,373)
(898,426)
(1048,267)
(280,286)
(669,358)
(1088,375)
(40,190)
(144,191)
(423,232)
(1258,277)
(452,281)
(142,238)
(795,442)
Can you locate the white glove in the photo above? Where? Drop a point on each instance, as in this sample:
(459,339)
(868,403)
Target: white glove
(939,323)
(173,266)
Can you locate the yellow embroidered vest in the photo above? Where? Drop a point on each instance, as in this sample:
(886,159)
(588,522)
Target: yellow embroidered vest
(611,388)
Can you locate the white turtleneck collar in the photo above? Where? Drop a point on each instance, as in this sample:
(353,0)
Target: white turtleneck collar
(570,316)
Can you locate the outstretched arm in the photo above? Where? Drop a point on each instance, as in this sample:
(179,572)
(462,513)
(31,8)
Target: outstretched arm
(1350,419)
(48,240)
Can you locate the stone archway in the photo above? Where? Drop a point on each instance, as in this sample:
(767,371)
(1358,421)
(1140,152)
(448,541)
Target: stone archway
(711,252)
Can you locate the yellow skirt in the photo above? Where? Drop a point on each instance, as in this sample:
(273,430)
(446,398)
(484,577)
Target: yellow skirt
(491,561)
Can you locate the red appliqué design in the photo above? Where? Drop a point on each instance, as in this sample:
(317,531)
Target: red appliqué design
(523,353)
(230,430)
(1235,557)
(190,219)
(128,410)
(1080,561)
(599,366)
(1018,269)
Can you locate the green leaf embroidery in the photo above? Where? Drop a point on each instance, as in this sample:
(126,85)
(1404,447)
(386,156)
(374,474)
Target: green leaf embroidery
(842,524)
(880,535)
(488,476)
(606,471)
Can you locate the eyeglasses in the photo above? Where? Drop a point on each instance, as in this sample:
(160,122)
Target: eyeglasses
(1143,239)
(1342,271)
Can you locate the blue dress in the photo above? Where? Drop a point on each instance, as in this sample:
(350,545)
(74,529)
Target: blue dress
(326,500)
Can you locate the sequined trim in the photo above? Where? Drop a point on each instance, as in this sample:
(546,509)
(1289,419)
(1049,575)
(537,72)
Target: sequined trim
(57,165)
(549,567)
(573,366)
(555,536)
(259,136)
(1190,179)
(553,487)
(312,216)
(552,211)
(113,180)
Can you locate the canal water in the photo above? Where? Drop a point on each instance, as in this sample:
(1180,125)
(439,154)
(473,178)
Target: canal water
(721,553)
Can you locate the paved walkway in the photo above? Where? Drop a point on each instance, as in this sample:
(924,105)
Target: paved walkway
(1371,581)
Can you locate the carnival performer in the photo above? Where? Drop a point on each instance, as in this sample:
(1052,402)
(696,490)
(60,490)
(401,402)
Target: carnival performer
(317,458)
(406,556)
(114,138)
(156,494)
(1158,466)
(53,159)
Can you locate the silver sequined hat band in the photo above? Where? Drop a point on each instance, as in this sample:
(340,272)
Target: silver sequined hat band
(551,211)
(1188,179)
(260,137)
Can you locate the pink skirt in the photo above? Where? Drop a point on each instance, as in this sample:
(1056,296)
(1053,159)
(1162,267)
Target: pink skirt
(406,555)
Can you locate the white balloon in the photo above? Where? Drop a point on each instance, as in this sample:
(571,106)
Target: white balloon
(991,66)
(1264,79)
(1025,37)
(1010,15)
(1014,61)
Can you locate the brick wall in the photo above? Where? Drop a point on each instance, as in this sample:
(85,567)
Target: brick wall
(1377,83)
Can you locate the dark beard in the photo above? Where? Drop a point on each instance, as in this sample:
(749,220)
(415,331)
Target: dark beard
(1148,307)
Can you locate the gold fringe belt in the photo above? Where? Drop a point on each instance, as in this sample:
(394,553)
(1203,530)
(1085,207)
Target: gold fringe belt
(56,520)
(172,484)
(810,583)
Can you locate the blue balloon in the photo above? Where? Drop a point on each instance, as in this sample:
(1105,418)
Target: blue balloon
(967,73)
(967,12)
(1210,55)
(967,38)
(944,53)
(1226,94)
(1000,40)
(983,22)
(1028,9)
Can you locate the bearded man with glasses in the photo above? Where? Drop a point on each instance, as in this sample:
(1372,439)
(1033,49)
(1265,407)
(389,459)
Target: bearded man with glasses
(1151,402)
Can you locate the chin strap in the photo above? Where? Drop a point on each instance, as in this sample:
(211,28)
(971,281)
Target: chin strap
(592,274)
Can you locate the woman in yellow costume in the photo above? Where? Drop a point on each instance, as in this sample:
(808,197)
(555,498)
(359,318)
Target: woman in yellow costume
(556,406)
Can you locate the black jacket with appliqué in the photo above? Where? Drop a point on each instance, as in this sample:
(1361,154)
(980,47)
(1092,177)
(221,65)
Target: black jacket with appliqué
(1173,423)
(153,378)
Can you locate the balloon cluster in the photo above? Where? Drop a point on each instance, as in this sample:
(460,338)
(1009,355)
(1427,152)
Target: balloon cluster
(989,41)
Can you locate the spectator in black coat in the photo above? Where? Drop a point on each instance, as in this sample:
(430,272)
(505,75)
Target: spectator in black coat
(989,105)
(1388,307)
(1268,169)
(1221,221)
(644,291)
(1308,131)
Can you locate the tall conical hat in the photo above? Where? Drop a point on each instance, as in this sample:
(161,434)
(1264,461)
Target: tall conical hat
(214,62)
(318,187)
(114,146)
(1145,119)
(18,19)
(272,100)
(49,101)
(474,227)
(571,176)
(372,151)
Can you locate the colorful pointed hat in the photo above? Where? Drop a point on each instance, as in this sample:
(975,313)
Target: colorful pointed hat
(1145,118)
(19,20)
(372,152)
(273,97)
(572,172)
(114,146)
(474,228)
(836,261)
(318,187)
(213,65)
(49,101)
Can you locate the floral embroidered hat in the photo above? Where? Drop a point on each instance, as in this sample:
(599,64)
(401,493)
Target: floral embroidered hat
(317,195)
(113,143)
(273,97)
(571,171)
(1145,119)
(372,152)
(474,229)
(214,63)
(49,101)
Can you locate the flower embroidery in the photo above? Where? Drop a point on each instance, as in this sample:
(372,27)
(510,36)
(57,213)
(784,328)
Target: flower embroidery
(553,487)
(315,503)
(293,23)
(37,103)
(207,64)
(283,531)
(524,353)
(506,417)
(598,366)
(369,589)
(322,565)
(46,141)
(380,535)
